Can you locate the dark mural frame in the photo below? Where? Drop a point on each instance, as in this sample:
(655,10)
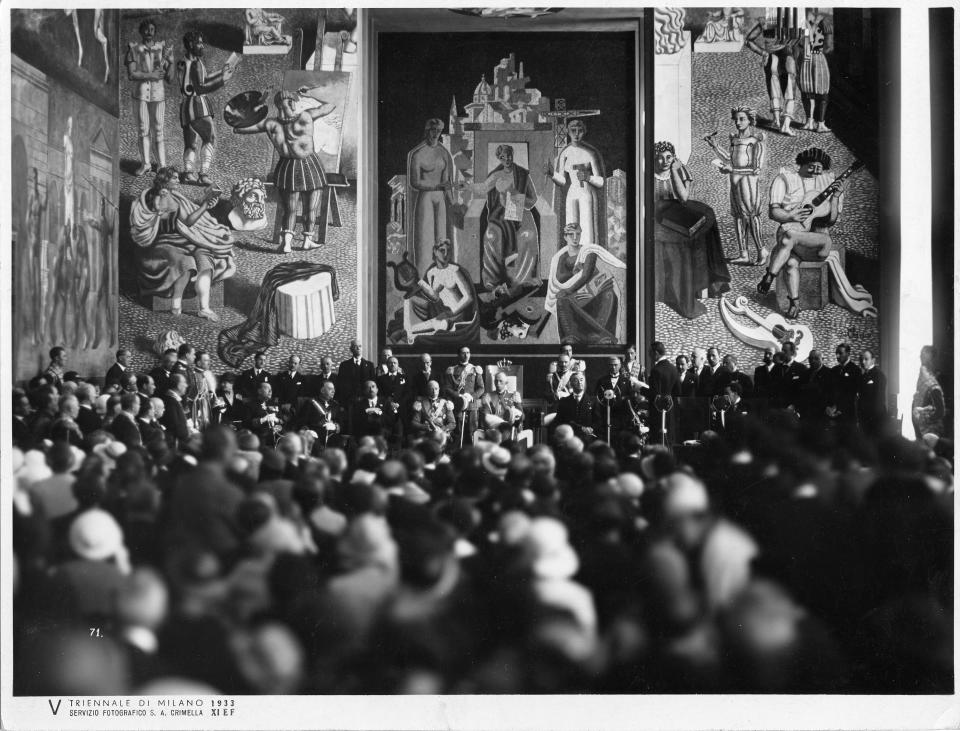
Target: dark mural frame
(415,76)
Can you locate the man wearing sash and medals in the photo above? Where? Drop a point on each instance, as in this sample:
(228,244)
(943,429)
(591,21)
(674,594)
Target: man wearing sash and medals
(502,409)
(463,385)
(433,417)
(323,415)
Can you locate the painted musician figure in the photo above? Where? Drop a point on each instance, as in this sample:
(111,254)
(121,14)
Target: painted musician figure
(463,385)
(433,417)
(797,239)
(502,409)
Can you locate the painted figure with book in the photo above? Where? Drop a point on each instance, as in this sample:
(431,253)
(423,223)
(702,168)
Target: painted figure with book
(579,173)
(688,252)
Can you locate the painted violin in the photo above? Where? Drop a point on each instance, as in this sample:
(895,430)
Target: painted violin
(771,331)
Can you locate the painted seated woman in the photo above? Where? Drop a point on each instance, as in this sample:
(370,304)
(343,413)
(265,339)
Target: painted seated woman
(585,292)
(688,254)
(179,242)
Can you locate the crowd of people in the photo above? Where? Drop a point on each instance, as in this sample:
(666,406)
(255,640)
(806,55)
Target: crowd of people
(365,530)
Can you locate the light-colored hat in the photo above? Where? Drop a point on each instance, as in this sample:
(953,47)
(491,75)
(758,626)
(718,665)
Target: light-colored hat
(548,551)
(95,535)
(496,461)
(368,541)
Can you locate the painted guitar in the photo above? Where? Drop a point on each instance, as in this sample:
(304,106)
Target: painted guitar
(771,331)
(820,202)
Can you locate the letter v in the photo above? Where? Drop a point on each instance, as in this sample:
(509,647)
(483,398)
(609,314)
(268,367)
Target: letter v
(54,710)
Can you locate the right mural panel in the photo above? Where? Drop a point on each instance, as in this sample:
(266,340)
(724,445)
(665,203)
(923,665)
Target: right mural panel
(765,181)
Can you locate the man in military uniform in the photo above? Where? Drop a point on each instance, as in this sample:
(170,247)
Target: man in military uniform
(463,385)
(558,380)
(324,415)
(502,409)
(433,416)
(149,67)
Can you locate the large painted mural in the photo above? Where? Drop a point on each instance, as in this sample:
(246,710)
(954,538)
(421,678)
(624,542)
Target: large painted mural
(238,183)
(65,187)
(506,191)
(766,220)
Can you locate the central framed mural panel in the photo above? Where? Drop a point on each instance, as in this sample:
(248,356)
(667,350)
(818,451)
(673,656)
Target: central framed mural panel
(507,190)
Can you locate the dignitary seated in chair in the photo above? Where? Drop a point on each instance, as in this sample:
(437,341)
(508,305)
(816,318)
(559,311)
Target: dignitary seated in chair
(502,409)
(375,416)
(578,410)
(323,415)
(433,417)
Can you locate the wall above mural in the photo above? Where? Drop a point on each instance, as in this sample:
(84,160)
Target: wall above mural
(506,191)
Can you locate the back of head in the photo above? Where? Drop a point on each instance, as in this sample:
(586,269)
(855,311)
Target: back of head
(60,457)
(219,444)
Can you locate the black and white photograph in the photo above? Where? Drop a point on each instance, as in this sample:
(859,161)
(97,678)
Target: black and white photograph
(478,367)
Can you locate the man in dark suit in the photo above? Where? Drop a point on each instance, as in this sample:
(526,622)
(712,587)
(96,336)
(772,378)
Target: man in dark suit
(729,373)
(161,374)
(735,407)
(578,410)
(664,380)
(791,378)
(116,371)
(124,425)
(146,388)
(816,392)
(22,437)
(374,416)
(327,373)
(288,385)
(846,382)
(251,378)
(763,375)
(393,384)
(353,373)
(423,376)
(174,418)
(230,408)
(88,419)
(615,388)
(872,396)
(186,366)
(152,434)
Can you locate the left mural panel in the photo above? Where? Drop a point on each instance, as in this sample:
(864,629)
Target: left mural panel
(65,184)
(183,176)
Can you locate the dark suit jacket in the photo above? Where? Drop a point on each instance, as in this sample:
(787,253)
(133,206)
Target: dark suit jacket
(236,414)
(846,383)
(578,415)
(310,416)
(664,379)
(125,430)
(764,384)
(114,373)
(351,377)
(249,381)
(259,410)
(791,380)
(363,424)
(151,433)
(419,382)
(161,378)
(88,420)
(175,421)
(816,394)
(396,387)
(872,399)
(725,377)
(287,388)
(705,385)
(690,383)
